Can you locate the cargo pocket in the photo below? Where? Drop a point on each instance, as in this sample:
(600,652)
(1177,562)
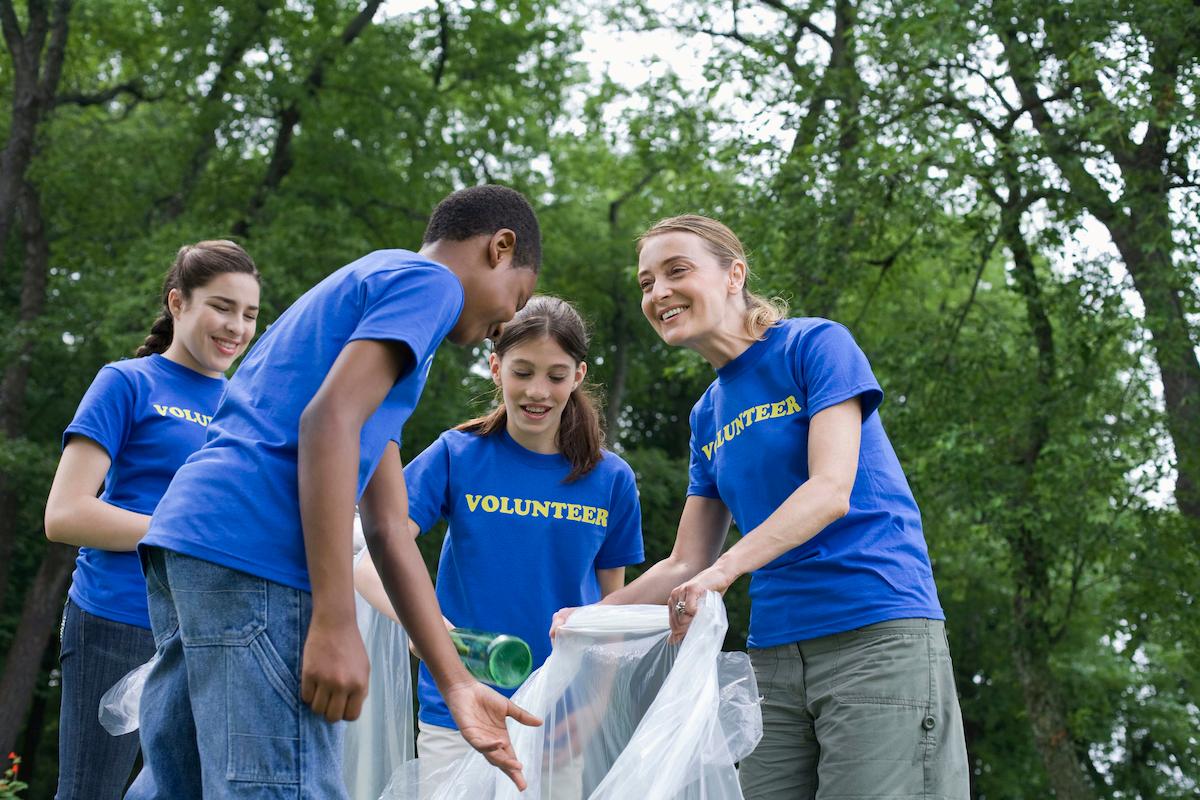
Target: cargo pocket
(263,704)
(888,663)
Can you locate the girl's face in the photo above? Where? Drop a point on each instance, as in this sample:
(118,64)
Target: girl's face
(686,294)
(214,326)
(536,378)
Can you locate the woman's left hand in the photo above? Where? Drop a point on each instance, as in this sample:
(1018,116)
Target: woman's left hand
(684,601)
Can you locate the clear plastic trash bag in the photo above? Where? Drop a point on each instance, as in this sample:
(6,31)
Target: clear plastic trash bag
(381,739)
(626,715)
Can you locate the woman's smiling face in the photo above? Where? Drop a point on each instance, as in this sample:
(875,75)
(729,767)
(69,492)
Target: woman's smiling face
(687,294)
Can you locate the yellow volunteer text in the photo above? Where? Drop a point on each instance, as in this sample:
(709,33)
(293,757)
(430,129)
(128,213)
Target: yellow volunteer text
(522,507)
(783,408)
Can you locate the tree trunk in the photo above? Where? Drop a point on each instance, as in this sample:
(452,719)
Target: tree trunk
(39,617)
(35,80)
(1033,558)
(1139,223)
(16,375)
(1157,282)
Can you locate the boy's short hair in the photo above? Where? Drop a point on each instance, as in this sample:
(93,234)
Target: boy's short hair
(484,210)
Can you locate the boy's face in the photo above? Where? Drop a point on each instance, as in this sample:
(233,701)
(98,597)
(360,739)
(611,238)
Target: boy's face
(493,296)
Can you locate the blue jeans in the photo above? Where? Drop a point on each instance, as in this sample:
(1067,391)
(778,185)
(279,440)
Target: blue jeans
(221,715)
(95,654)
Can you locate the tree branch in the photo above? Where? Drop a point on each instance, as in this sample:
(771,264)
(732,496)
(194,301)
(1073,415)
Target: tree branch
(439,68)
(803,21)
(133,88)
(289,117)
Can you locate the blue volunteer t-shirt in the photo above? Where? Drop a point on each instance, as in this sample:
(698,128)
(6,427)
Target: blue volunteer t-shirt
(750,449)
(149,414)
(235,502)
(521,543)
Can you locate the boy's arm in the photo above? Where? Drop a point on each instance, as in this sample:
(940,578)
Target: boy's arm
(479,711)
(334,670)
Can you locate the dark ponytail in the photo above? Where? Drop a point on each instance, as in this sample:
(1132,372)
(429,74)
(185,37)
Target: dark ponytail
(195,265)
(580,437)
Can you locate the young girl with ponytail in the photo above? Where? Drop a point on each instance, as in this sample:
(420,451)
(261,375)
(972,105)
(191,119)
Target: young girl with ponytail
(139,421)
(540,515)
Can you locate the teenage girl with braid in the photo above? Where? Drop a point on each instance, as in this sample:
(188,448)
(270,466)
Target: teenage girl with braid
(139,421)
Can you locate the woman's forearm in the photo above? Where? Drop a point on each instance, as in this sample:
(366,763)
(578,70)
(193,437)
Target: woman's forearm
(814,505)
(653,585)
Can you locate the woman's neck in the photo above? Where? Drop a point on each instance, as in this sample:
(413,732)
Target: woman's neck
(182,356)
(725,344)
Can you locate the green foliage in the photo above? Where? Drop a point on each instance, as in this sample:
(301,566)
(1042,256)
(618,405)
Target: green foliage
(879,203)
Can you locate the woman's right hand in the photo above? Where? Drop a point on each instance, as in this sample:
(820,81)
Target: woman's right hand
(560,617)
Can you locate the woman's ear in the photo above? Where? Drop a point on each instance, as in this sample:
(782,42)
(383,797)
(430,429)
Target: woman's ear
(580,374)
(737,276)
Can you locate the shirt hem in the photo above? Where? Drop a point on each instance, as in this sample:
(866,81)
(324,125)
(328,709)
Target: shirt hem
(431,719)
(882,615)
(622,561)
(841,397)
(108,614)
(228,560)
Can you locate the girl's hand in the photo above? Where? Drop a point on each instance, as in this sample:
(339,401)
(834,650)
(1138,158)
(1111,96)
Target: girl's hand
(684,601)
(560,618)
(481,714)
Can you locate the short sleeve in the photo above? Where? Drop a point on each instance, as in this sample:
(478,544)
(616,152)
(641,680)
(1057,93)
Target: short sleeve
(105,414)
(833,368)
(415,305)
(700,477)
(623,537)
(427,478)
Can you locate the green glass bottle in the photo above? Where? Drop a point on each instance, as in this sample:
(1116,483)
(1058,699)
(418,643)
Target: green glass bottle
(495,658)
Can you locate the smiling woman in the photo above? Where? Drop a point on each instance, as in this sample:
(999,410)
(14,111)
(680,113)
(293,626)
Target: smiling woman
(846,631)
(139,421)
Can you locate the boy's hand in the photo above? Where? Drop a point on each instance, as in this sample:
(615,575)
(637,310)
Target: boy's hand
(334,671)
(481,715)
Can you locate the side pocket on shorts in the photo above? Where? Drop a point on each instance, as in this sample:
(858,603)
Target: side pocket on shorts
(886,664)
(765,662)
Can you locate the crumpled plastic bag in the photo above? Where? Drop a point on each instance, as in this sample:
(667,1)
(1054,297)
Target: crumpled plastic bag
(120,704)
(626,715)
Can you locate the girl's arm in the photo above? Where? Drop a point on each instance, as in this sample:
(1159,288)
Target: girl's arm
(75,515)
(610,580)
(833,442)
(368,584)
